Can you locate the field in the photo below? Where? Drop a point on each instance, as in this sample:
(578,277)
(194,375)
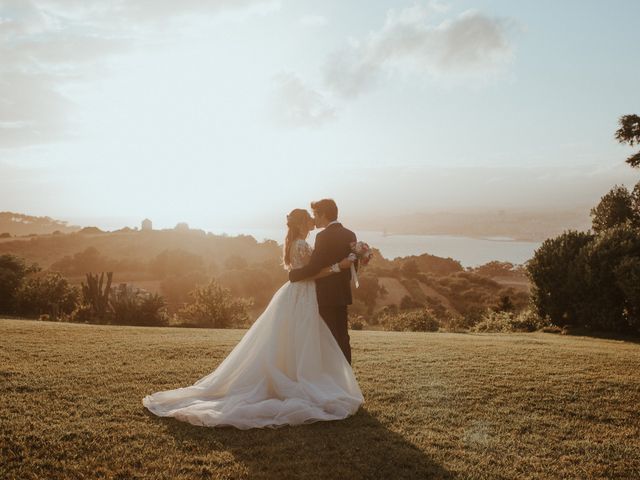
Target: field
(437,406)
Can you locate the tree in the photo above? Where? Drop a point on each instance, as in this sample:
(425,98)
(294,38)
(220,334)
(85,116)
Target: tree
(505,304)
(134,306)
(50,293)
(627,275)
(214,306)
(556,277)
(13,270)
(629,132)
(615,208)
(608,266)
(635,201)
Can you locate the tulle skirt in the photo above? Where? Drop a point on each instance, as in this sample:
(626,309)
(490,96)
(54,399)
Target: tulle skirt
(287,370)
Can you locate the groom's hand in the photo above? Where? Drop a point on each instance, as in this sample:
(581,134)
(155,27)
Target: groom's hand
(345,263)
(317,262)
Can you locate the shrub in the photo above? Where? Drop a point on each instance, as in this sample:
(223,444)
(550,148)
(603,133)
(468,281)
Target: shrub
(49,294)
(214,306)
(421,320)
(356,323)
(83,313)
(132,306)
(457,323)
(502,322)
(13,270)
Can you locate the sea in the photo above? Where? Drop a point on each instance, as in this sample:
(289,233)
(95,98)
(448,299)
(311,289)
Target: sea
(471,252)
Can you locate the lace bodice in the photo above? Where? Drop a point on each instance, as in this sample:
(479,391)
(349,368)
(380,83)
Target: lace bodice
(300,253)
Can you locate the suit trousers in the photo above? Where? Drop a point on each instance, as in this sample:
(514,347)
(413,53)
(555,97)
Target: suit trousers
(336,316)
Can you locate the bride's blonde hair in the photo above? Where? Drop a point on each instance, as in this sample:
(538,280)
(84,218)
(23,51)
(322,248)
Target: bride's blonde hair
(296,221)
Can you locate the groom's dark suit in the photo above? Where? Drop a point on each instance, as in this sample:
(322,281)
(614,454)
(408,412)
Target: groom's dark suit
(334,292)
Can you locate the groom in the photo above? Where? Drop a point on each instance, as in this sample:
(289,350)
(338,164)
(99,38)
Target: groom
(332,245)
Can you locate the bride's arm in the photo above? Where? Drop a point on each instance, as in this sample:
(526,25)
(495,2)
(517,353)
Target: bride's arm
(335,268)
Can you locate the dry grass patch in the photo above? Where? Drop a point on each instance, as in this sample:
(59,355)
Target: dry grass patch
(437,406)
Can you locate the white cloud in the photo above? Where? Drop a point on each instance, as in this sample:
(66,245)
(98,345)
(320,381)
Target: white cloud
(471,45)
(295,104)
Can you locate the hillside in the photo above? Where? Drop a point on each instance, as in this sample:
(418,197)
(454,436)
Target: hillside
(15,224)
(172,262)
(526,406)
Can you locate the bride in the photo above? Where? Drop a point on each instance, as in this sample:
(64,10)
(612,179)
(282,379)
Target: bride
(287,369)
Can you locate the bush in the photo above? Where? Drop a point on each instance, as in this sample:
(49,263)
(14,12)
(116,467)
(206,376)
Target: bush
(136,307)
(13,271)
(502,322)
(410,321)
(46,294)
(83,313)
(214,306)
(457,323)
(356,323)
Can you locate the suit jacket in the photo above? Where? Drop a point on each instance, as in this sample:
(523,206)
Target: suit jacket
(332,245)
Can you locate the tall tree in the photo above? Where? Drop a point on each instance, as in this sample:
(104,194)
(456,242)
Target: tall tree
(615,208)
(629,132)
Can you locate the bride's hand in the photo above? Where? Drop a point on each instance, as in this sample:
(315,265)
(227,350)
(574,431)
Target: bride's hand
(345,263)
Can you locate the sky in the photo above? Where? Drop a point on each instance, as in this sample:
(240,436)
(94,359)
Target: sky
(230,113)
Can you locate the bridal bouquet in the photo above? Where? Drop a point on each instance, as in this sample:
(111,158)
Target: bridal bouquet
(362,252)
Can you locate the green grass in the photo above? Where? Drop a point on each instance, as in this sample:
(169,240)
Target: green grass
(436,406)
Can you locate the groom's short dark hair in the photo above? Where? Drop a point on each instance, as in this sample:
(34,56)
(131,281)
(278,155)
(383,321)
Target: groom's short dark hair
(326,207)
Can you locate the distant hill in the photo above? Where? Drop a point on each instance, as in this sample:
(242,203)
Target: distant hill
(17,224)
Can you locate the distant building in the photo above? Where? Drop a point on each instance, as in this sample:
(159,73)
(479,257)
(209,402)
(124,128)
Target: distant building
(146,225)
(182,227)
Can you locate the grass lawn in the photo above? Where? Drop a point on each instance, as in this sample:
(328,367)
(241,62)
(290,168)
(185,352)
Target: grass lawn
(436,406)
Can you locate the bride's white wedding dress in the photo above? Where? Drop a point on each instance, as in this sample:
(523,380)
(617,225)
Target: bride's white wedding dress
(287,370)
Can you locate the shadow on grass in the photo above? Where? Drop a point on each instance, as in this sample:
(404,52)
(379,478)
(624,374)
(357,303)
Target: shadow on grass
(358,447)
(584,332)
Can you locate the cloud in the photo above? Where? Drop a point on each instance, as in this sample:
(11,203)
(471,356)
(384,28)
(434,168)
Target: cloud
(50,44)
(295,104)
(471,45)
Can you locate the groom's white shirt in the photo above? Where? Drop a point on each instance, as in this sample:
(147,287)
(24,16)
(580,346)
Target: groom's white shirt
(330,223)
(335,267)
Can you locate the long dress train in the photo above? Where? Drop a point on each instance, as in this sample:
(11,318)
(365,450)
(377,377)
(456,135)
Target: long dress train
(287,370)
